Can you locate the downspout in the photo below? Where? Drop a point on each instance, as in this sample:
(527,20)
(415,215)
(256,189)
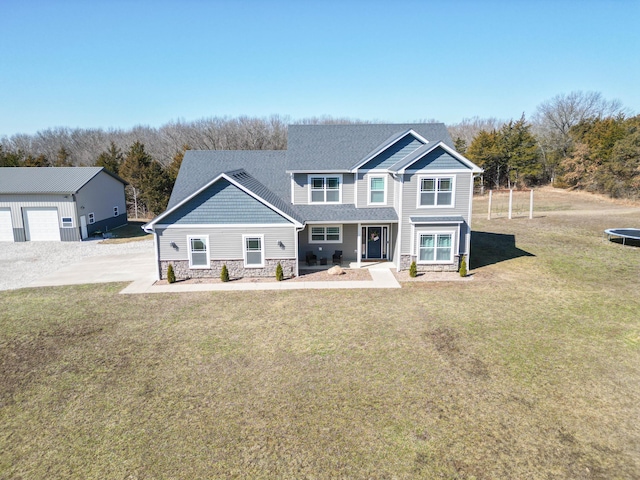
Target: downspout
(400,223)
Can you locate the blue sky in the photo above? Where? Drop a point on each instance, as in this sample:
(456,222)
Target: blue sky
(116,64)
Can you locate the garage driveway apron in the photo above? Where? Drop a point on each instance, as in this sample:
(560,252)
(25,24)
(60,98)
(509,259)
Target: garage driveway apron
(40,264)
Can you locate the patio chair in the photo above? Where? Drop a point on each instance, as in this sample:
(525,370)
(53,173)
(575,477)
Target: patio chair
(337,257)
(311,259)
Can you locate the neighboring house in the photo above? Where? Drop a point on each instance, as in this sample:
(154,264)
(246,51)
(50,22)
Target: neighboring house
(59,203)
(387,192)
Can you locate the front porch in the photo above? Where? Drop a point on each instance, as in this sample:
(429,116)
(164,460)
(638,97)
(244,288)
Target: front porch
(351,265)
(361,245)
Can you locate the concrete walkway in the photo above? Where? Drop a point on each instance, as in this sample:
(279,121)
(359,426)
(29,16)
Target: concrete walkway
(380,278)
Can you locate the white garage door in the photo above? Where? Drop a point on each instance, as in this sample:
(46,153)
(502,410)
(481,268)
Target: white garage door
(6,227)
(42,224)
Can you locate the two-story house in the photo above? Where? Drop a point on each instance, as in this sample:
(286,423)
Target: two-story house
(386,192)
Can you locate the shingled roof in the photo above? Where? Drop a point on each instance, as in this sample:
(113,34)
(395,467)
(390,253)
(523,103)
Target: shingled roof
(43,180)
(339,147)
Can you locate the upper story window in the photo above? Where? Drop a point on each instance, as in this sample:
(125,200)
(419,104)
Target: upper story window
(377,189)
(436,192)
(325,188)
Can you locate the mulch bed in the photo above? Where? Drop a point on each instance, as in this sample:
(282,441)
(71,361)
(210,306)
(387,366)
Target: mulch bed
(305,276)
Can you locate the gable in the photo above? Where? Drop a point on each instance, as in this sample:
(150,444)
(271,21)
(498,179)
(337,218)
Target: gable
(394,153)
(223,203)
(438,159)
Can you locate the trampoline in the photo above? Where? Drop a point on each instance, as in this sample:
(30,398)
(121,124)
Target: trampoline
(624,233)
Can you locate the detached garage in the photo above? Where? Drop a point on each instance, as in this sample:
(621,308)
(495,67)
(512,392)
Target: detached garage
(59,203)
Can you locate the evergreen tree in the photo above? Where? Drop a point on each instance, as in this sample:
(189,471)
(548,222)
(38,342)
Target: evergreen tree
(174,167)
(63,158)
(39,161)
(110,159)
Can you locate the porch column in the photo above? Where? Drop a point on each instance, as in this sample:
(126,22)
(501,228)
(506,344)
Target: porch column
(359,245)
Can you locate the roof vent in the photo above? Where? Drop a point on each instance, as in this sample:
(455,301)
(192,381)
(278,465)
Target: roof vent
(241,175)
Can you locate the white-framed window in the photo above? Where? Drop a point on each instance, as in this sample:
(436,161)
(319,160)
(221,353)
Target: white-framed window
(377,190)
(435,247)
(92,217)
(67,222)
(436,191)
(253,251)
(116,211)
(325,234)
(325,188)
(198,247)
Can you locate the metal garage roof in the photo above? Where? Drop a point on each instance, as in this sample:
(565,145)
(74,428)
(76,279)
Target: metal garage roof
(17,180)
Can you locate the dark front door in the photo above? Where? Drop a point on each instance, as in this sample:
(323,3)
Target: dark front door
(374,242)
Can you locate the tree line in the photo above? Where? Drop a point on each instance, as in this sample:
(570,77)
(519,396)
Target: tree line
(576,140)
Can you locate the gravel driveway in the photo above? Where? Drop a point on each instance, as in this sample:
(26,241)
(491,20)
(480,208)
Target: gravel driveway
(25,262)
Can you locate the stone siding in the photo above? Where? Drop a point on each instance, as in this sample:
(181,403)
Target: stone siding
(235,267)
(405,264)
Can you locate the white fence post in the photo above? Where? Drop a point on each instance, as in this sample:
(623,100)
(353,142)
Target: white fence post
(531,205)
(489,214)
(510,202)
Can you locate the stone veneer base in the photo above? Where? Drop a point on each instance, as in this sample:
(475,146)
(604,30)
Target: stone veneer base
(235,267)
(405,264)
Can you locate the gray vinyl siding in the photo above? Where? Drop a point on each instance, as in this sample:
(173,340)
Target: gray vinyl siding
(393,154)
(363,190)
(301,188)
(224,203)
(410,201)
(225,242)
(99,196)
(438,159)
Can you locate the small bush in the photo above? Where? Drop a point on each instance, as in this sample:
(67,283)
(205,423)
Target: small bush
(279,273)
(171,275)
(463,266)
(224,273)
(413,270)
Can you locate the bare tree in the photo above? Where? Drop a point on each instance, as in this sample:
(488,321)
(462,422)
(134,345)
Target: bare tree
(465,132)
(554,119)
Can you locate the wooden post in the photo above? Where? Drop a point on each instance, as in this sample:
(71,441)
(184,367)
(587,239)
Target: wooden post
(531,205)
(510,202)
(489,214)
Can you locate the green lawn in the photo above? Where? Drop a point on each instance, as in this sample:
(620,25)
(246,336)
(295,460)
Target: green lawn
(531,370)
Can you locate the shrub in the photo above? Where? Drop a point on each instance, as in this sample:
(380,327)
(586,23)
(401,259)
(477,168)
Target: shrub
(413,270)
(224,273)
(171,275)
(463,266)
(279,274)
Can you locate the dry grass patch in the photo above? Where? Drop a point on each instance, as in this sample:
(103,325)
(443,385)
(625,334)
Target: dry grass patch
(532,370)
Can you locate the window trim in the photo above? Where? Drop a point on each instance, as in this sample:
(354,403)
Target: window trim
(384,189)
(116,211)
(325,176)
(436,178)
(91,218)
(70,222)
(262,250)
(436,234)
(207,252)
(324,226)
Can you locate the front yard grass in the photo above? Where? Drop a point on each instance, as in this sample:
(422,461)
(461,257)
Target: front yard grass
(531,370)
